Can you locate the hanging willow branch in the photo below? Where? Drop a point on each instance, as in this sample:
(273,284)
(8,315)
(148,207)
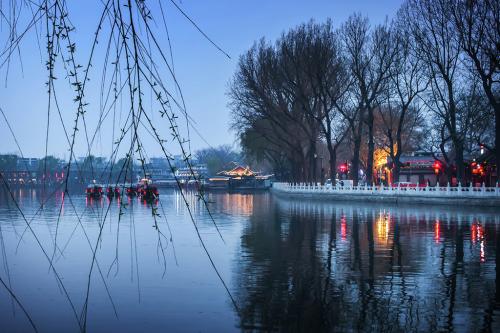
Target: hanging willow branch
(139,66)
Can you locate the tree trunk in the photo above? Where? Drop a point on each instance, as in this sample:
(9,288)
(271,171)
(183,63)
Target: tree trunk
(355,161)
(332,162)
(497,142)
(371,149)
(395,171)
(314,165)
(459,162)
(357,148)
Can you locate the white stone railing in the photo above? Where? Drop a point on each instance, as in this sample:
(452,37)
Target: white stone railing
(427,191)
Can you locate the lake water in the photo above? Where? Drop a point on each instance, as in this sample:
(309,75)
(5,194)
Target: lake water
(290,265)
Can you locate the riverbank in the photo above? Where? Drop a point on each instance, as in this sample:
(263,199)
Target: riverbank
(454,196)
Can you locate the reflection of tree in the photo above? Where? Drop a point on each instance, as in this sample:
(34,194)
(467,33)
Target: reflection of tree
(285,298)
(297,274)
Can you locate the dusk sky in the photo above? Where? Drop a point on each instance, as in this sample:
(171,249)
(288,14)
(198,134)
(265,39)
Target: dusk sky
(203,72)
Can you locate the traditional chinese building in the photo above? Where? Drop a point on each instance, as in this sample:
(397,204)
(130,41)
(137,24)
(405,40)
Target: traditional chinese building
(239,178)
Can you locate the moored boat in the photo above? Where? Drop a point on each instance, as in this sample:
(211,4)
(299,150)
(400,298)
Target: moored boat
(113,191)
(130,189)
(147,191)
(94,190)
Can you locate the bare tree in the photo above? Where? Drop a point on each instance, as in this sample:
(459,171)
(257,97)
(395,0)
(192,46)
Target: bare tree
(478,27)
(324,81)
(438,46)
(290,93)
(263,103)
(331,83)
(370,55)
(407,81)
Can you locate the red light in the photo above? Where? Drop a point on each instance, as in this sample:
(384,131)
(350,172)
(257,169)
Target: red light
(437,231)
(477,168)
(437,167)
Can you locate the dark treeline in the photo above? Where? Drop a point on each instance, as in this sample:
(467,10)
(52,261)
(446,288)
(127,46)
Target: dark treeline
(426,80)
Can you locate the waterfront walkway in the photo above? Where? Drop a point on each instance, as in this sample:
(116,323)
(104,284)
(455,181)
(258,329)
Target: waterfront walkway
(475,196)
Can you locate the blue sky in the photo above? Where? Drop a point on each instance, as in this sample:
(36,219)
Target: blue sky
(203,72)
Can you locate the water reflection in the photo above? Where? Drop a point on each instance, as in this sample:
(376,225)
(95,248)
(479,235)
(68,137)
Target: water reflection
(291,265)
(395,268)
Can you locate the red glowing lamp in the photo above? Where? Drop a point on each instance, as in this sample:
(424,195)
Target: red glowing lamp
(477,168)
(437,167)
(343,167)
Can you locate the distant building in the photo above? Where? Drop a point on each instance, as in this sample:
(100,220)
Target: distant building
(178,161)
(159,168)
(427,168)
(421,168)
(29,164)
(239,178)
(186,173)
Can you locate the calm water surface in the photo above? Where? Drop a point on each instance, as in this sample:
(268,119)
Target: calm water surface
(290,265)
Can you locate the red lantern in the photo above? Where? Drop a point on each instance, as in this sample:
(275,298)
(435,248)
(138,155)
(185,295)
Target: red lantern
(437,167)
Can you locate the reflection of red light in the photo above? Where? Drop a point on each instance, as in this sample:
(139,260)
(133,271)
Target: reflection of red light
(482,255)
(343,227)
(437,231)
(477,232)
(477,235)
